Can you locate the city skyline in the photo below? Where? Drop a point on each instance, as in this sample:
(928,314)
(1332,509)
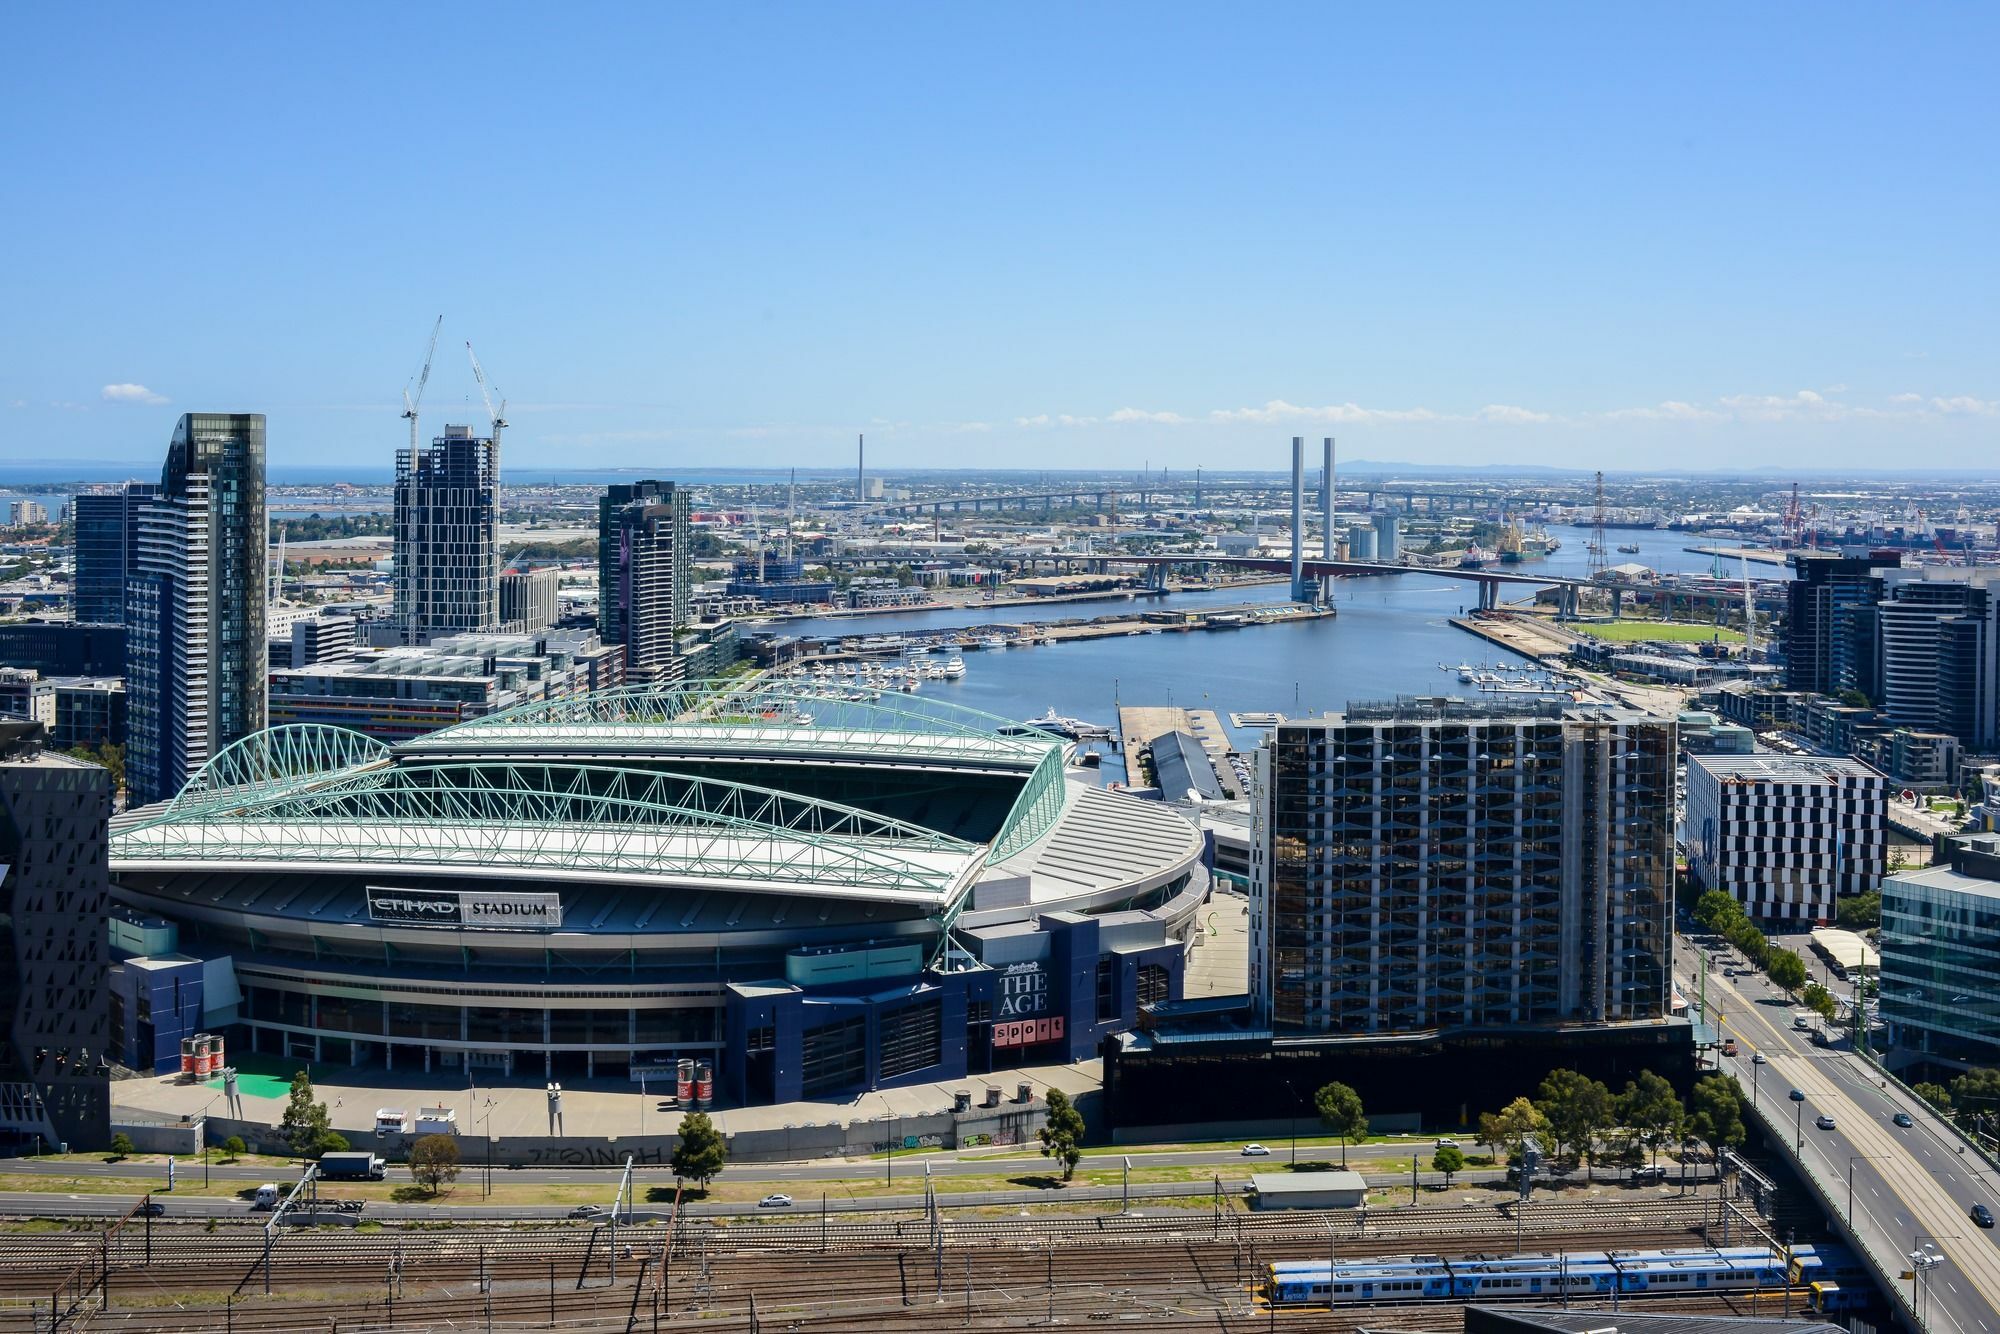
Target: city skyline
(1568,238)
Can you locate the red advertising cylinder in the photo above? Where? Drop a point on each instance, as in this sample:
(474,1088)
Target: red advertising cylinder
(704,1083)
(684,1082)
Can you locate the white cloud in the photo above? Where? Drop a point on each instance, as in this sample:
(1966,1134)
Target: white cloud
(1513,416)
(1673,410)
(1149,418)
(1967,404)
(1278,410)
(1908,399)
(130,393)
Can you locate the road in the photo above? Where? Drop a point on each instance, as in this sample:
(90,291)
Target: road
(1911,1188)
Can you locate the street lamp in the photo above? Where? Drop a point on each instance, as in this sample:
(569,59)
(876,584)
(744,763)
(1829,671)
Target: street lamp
(1799,1120)
(1295,1120)
(1852,1159)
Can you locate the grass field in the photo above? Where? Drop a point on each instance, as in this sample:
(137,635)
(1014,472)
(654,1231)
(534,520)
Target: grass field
(1660,632)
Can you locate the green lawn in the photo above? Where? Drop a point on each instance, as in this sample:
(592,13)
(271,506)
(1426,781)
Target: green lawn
(1660,632)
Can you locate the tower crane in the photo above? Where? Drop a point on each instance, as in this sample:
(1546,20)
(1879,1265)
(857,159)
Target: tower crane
(410,404)
(499,418)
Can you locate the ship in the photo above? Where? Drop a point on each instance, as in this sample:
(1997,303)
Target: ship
(1628,548)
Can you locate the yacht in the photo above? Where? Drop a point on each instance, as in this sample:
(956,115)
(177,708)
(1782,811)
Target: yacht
(993,641)
(954,668)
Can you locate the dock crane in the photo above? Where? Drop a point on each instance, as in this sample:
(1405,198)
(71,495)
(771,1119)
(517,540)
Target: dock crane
(500,417)
(411,404)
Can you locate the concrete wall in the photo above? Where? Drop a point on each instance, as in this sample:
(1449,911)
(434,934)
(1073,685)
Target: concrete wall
(1009,1123)
(182,1137)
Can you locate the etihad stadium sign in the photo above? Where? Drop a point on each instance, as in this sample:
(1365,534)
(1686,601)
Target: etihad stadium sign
(464,908)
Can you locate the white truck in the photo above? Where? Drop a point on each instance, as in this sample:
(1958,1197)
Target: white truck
(267,1196)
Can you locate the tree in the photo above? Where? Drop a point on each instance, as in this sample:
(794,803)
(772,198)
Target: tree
(122,1146)
(333,1142)
(1937,1095)
(434,1161)
(1340,1111)
(1819,1000)
(1651,1110)
(700,1152)
(1863,912)
(1448,1160)
(305,1123)
(1975,1093)
(1715,909)
(1577,1109)
(1788,970)
(1718,1113)
(1062,1135)
(1510,1127)
(235,1147)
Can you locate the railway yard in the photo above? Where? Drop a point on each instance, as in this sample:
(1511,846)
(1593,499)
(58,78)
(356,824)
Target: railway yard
(1191,1270)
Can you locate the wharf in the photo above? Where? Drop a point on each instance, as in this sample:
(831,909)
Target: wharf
(1116,625)
(1140,725)
(1530,637)
(1755,555)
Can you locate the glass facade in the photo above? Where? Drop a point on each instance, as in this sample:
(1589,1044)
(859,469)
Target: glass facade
(1940,983)
(447,536)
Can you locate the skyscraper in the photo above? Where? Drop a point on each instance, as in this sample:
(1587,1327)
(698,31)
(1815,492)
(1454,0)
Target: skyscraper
(54,886)
(196,660)
(1939,642)
(107,550)
(643,567)
(1439,865)
(1830,621)
(448,537)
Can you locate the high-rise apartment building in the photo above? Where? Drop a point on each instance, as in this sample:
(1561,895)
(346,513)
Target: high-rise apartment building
(1939,637)
(1444,866)
(1830,621)
(196,659)
(447,537)
(528,600)
(107,550)
(54,888)
(643,570)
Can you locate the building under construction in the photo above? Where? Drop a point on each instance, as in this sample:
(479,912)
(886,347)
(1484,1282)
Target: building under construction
(448,537)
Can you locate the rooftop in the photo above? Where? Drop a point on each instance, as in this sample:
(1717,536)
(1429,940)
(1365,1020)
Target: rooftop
(1775,768)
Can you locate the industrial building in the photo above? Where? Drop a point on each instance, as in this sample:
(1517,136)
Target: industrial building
(815,896)
(194,604)
(447,537)
(1786,836)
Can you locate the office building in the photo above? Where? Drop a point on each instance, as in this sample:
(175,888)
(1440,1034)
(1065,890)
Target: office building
(107,550)
(1783,835)
(1939,637)
(644,569)
(528,600)
(90,712)
(447,537)
(25,695)
(194,604)
(54,1086)
(1940,981)
(1830,621)
(27,514)
(327,637)
(59,648)
(1445,866)
(404,692)
(776,579)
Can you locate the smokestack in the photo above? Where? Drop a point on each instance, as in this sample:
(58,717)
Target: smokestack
(1298,515)
(861,467)
(1326,499)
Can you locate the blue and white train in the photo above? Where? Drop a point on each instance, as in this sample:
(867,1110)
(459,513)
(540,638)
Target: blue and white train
(1576,1273)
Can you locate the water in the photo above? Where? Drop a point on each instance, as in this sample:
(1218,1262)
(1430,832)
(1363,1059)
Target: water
(1393,636)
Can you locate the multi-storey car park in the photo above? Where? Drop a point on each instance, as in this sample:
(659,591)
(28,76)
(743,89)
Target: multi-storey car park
(817,895)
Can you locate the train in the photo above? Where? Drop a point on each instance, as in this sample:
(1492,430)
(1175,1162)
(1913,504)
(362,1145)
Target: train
(1414,1278)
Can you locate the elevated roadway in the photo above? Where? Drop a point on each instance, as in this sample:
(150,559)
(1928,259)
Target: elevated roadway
(1896,1189)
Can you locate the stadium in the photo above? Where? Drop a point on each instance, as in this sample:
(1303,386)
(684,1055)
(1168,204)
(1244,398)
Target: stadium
(818,895)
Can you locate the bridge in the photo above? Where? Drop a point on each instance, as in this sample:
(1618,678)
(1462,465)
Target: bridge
(1317,569)
(1167,493)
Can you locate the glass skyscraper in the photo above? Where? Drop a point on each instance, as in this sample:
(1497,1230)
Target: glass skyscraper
(643,569)
(196,661)
(107,550)
(448,537)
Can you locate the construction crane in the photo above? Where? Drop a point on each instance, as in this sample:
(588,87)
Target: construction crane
(411,404)
(499,418)
(1794,524)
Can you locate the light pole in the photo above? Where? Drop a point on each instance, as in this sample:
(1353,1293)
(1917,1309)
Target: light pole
(1798,1120)
(1294,1162)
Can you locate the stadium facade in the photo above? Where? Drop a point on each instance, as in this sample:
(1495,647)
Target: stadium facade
(820,896)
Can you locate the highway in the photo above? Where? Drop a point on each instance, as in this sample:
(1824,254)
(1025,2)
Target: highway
(1911,1188)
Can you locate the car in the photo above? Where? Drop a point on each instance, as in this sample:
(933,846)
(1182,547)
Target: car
(1255,1151)
(152,1209)
(1757,1058)
(586,1211)
(1902,1119)
(1824,1122)
(1648,1175)
(1981,1215)
(1729,1046)
(1446,1143)
(775,1202)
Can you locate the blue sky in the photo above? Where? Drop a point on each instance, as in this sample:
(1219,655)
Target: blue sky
(1077,235)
